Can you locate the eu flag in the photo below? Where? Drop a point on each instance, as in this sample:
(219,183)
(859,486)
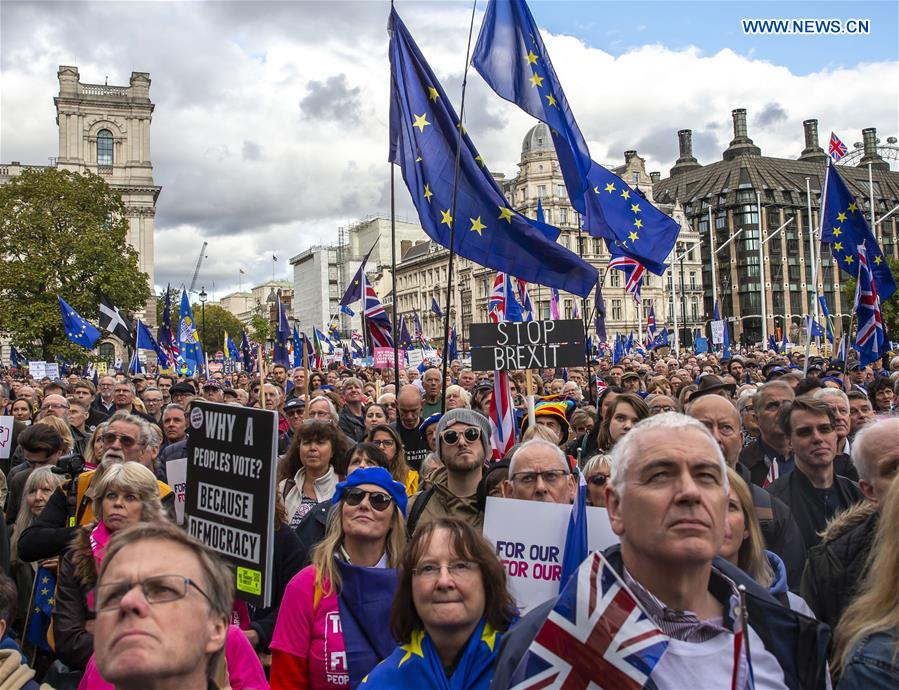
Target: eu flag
(246,352)
(512,59)
(230,348)
(436,308)
(14,356)
(405,336)
(845,228)
(146,341)
(828,322)
(353,292)
(424,135)
(297,347)
(41,609)
(78,330)
(282,335)
(188,341)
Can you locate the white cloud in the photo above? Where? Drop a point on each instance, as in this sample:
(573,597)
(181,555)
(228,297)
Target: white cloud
(245,167)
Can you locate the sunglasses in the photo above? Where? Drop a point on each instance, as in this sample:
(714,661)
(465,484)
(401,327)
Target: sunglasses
(376,499)
(451,436)
(598,479)
(127,441)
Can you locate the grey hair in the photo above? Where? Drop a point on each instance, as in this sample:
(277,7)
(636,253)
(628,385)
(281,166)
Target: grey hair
(463,394)
(860,451)
(129,476)
(626,447)
(771,385)
(331,409)
(822,393)
(595,463)
(538,442)
(141,423)
(126,383)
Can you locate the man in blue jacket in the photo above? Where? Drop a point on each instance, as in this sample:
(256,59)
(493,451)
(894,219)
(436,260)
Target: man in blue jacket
(667,502)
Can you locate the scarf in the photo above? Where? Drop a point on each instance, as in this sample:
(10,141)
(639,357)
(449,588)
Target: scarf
(99,538)
(417,664)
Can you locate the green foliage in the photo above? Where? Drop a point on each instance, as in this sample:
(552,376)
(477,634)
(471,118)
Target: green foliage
(890,307)
(260,329)
(62,233)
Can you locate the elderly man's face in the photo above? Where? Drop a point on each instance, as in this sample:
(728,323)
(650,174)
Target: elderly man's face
(431,382)
(214,394)
(671,509)
(723,422)
(772,400)
(840,409)
(55,405)
(105,386)
(121,442)
(467,380)
(860,413)
(319,410)
(540,475)
(272,397)
(134,640)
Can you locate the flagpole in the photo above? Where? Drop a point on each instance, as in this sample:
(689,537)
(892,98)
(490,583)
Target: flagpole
(813,261)
(452,242)
(584,315)
(396,353)
(712,239)
(764,305)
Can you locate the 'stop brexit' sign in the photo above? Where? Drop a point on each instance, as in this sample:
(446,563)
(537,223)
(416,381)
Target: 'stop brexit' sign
(510,345)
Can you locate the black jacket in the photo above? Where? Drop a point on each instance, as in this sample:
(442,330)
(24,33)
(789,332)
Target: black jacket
(836,565)
(287,562)
(798,643)
(809,510)
(350,424)
(77,576)
(754,459)
(311,529)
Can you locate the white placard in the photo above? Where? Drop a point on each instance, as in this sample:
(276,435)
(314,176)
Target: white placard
(52,371)
(37,368)
(415,357)
(529,538)
(176,473)
(5,436)
(717,332)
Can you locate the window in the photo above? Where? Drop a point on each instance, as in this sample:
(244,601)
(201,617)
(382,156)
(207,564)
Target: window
(565,242)
(567,309)
(560,191)
(616,310)
(692,280)
(694,309)
(647,305)
(615,278)
(104,147)
(541,191)
(596,246)
(107,351)
(563,216)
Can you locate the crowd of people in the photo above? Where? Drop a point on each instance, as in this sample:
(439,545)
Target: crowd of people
(755,502)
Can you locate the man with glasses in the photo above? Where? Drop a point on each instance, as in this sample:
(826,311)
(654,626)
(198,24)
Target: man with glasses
(539,472)
(294,411)
(659,404)
(812,490)
(104,400)
(163,604)
(153,401)
(463,444)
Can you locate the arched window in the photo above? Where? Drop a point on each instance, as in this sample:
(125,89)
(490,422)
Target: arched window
(104,147)
(107,352)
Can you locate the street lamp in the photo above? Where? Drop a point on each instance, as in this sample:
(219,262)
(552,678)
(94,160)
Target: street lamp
(203,296)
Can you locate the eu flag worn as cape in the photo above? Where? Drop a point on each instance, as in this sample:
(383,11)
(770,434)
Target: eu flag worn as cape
(41,609)
(416,665)
(512,59)
(844,226)
(77,329)
(424,136)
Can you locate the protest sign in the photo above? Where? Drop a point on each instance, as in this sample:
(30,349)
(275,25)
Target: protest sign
(509,345)
(717,332)
(384,358)
(37,368)
(52,371)
(529,538)
(176,474)
(5,437)
(102,368)
(415,357)
(230,492)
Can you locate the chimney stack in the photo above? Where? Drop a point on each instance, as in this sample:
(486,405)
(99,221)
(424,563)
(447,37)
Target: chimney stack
(812,152)
(686,160)
(628,155)
(871,156)
(741,145)
(655,176)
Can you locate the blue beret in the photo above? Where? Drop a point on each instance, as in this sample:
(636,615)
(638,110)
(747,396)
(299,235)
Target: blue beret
(377,476)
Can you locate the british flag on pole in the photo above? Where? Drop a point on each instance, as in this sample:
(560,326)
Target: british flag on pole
(596,636)
(837,149)
(633,274)
(869,337)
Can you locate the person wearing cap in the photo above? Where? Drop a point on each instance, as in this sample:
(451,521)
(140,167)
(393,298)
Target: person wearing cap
(182,393)
(212,391)
(631,382)
(294,411)
(463,445)
(553,414)
(711,384)
(539,471)
(356,561)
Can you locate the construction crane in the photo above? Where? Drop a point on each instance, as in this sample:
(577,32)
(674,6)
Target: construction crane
(193,283)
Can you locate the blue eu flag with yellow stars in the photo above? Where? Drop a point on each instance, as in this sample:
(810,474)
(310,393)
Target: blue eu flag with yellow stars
(844,227)
(78,330)
(41,609)
(424,136)
(512,59)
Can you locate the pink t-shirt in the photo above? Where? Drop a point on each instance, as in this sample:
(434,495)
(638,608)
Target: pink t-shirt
(313,635)
(245,671)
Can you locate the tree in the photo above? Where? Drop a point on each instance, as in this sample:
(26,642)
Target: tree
(218,320)
(260,329)
(890,307)
(62,233)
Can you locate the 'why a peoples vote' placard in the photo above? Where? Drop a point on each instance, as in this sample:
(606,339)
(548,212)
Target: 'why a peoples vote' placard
(230,493)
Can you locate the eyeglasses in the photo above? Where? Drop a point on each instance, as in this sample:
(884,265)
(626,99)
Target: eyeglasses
(160,589)
(294,412)
(54,406)
(127,441)
(457,570)
(806,431)
(376,499)
(550,477)
(451,436)
(385,443)
(598,479)
(659,409)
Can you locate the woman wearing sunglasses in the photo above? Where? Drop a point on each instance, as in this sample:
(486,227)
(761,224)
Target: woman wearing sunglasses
(450,612)
(317,644)
(597,471)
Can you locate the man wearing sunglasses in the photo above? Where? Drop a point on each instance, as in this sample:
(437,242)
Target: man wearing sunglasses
(813,491)
(539,472)
(463,444)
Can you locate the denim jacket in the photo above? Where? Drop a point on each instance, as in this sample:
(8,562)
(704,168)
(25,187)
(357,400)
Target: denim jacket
(872,664)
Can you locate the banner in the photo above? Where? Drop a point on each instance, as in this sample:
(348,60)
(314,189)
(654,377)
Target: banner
(52,371)
(37,368)
(415,357)
(529,538)
(176,476)
(718,332)
(230,493)
(510,345)
(5,437)
(384,358)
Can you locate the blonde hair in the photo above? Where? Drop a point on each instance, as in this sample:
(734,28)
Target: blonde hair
(62,427)
(876,608)
(463,394)
(128,476)
(751,556)
(38,478)
(327,574)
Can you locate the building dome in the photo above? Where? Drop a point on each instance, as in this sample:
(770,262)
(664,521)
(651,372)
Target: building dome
(537,139)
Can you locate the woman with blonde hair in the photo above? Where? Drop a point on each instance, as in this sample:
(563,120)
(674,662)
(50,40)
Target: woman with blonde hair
(866,648)
(356,561)
(457,397)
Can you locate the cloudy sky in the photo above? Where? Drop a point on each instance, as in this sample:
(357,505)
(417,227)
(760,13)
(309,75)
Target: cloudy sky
(270,128)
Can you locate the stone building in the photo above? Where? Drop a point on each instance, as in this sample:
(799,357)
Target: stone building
(731,192)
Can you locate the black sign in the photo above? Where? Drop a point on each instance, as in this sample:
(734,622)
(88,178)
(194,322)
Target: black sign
(230,502)
(510,345)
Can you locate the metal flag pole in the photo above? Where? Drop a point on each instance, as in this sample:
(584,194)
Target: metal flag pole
(396,351)
(452,243)
(764,301)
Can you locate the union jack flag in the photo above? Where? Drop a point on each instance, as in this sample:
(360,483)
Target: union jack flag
(869,337)
(524,299)
(633,273)
(650,337)
(376,317)
(502,304)
(837,148)
(502,416)
(596,636)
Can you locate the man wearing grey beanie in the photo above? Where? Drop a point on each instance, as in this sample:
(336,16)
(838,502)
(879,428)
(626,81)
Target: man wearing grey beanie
(463,445)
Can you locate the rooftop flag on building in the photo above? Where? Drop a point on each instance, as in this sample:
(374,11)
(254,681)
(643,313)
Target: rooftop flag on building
(845,227)
(837,148)
(424,137)
(113,321)
(512,59)
(869,336)
(77,329)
